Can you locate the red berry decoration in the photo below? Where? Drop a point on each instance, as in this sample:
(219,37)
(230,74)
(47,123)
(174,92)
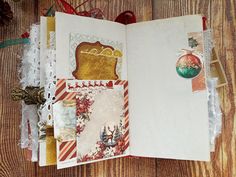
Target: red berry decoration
(188,65)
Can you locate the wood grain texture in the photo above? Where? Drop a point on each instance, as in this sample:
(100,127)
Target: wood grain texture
(221,16)
(222,19)
(12,160)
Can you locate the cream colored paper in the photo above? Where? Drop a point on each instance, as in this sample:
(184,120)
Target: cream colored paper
(167,119)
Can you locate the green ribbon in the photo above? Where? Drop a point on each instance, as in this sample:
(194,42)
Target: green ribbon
(50,12)
(11,42)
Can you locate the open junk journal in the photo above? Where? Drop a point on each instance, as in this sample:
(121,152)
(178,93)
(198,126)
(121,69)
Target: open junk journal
(118,90)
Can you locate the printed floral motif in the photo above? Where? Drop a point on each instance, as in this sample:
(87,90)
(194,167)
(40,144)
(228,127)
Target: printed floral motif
(85,99)
(83,107)
(79,128)
(84,102)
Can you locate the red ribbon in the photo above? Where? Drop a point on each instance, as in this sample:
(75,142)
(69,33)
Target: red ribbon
(66,7)
(127,17)
(204,23)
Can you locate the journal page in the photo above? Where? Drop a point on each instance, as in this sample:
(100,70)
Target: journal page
(91,99)
(167,89)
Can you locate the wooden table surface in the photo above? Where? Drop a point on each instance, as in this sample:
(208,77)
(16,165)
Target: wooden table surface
(221,16)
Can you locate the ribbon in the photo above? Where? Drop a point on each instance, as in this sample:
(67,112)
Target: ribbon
(50,12)
(11,42)
(127,17)
(66,7)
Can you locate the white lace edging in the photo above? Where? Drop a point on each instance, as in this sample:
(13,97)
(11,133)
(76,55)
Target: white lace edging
(29,73)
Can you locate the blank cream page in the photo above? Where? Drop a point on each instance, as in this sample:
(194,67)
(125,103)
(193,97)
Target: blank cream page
(167,119)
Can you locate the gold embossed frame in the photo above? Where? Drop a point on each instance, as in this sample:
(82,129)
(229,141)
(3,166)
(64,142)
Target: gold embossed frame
(93,58)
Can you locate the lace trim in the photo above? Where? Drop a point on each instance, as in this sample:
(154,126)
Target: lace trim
(29,73)
(50,81)
(214,111)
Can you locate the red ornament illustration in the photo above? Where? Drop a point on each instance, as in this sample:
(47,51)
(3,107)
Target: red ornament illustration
(188,65)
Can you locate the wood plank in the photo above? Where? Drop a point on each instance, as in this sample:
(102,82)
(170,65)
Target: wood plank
(110,8)
(221,18)
(12,158)
(228,59)
(13,162)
